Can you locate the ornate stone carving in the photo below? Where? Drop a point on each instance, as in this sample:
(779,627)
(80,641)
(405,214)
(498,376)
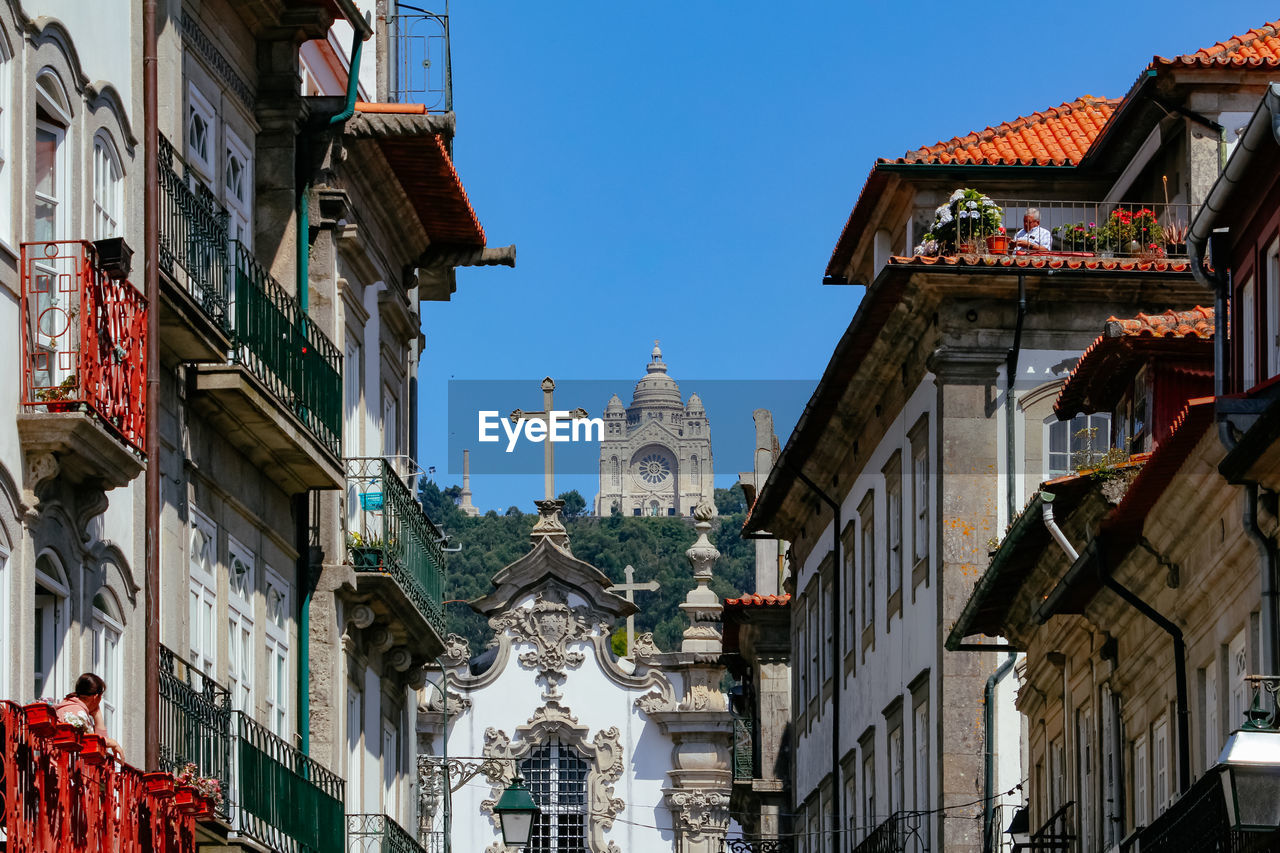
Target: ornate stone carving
(361,616)
(645,646)
(457,652)
(658,700)
(551,626)
(399,658)
(701,604)
(603,754)
(699,811)
(549,526)
(381,638)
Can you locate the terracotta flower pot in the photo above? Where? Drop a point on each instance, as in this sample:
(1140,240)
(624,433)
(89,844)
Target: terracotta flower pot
(68,737)
(998,244)
(158,785)
(42,720)
(93,748)
(60,407)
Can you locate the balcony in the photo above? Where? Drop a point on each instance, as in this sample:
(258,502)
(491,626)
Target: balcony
(424,71)
(891,836)
(377,833)
(396,551)
(1197,822)
(194,240)
(276,796)
(279,397)
(60,792)
(84,345)
(744,749)
(1074,229)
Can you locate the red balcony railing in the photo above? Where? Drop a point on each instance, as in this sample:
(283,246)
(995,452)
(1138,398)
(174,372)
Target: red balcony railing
(60,793)
(84,338)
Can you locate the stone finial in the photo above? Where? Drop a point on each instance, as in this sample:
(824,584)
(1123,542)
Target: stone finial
(702,605)
(549,525)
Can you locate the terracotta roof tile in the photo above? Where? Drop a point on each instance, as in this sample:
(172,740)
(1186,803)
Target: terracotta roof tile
(759,601)
(1057,136)
(1198,322)
(1046,262)
(1259,47)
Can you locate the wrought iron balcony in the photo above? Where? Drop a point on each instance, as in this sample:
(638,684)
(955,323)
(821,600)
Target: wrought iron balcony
(744,748)
(84,339)
(60,791)
(424,71)
(274,794)
(378,833)
(890,836)
(1081,229)
(286,351)
(1197,822)
(389,534)
(194,237)
(1057,833)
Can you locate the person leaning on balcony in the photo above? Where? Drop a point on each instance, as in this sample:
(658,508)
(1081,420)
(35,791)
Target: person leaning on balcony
(1031,237)
(83,708)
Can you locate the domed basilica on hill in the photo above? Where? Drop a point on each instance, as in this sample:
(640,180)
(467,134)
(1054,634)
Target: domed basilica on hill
(655,458)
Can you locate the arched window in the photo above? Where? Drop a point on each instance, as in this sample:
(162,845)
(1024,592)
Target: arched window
(202,563)
(240,628)
(617,471)
(557,777)
(108,189)
(107,628)
(694,471)
(50,625)
(278,610)
(52,173)
(654,509)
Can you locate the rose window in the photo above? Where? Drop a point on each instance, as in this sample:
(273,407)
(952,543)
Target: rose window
(653,469)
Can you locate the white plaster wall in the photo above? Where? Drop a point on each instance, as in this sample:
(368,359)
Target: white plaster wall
(102,32)
(598,703)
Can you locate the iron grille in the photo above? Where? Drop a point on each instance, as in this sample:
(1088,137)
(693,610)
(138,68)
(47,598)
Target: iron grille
(557,777)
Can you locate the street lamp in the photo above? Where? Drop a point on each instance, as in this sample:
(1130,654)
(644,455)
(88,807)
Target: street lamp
(516,810)
(1250,765)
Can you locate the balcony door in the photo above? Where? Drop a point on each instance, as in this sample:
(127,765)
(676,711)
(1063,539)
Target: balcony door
(107,629)
(202,630)
(50,627)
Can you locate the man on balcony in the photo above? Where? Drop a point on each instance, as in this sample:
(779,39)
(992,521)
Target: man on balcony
(1031,237)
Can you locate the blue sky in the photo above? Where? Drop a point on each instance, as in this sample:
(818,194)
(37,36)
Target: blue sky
(682,170)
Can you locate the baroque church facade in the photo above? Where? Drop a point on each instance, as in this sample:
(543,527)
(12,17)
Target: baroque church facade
(655,456)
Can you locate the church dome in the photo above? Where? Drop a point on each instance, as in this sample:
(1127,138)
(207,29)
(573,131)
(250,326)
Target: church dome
(656,389)
(695,405)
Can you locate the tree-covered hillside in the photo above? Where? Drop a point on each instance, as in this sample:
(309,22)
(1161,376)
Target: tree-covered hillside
(654,546)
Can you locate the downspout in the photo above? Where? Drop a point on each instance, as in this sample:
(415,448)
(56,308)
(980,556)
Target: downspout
(989,776)
(1011,375)
(151,506)
(837,784)
(1179,644)
(305,582)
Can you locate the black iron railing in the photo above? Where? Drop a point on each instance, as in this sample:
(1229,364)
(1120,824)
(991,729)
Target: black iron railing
(378,833)
(1197,822)
(891,836)
(285,349)
(391,534)
(424,71)
(194,236)
(759,845)
(1057,833)
(195,722)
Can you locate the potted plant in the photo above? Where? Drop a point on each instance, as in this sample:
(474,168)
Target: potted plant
(965,221)
(41,718)
(68,736)
(93,748)
(201,794)
(55,398)
(998,244)
(186,798)
(1077,237)
(158,784)
(1130,232)
(366,552)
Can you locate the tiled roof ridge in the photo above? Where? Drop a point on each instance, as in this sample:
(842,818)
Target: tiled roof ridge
(1258,46)
(1035,150)
(1045,261)
(1197,322)
(754,600)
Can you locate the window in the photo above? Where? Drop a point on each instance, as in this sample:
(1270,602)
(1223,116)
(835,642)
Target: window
(1058,774)
(6,139)
(108,189)
(50,628)
(106,631)
(1248,339)
(237,185)
(1238,668)
(390,766)
(869,817)
(695,472)
(355,749)
(390,422)
(866,515)
(240,625)
(893,528)
(202,562)
(53,117)
(897,774)
(1141,772)
(279,608)
(1086,779)
(1212,734)
(920,489)
(557,777)
(849,586)
(1112,819)
(849,808)
(201,130)
(1140,419)
(815,643)
(1271,268)
(800,644)
(1160,765)
(1077,443)
(920,738)
(827,631)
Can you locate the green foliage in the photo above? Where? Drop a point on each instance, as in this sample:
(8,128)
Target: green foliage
(618,641)
(967,217)
(574,503)
(729,501)
(655,546)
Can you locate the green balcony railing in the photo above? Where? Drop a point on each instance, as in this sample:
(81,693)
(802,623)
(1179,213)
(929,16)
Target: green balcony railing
(389,533)
(377,833)
(744,748)
(193,237)
(282,798)
(285,349)
(195,722)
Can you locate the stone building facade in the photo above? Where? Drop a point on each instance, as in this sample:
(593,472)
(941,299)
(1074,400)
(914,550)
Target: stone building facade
(655,456)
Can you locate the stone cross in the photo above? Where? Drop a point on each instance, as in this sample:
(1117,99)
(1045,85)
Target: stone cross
(628,591)
(548,446)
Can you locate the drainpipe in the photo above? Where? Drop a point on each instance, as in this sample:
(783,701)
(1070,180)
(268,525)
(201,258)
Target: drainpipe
(303,286)
(837,784)
(989,725)
(1161,622)
(151,507)
(1011,375)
